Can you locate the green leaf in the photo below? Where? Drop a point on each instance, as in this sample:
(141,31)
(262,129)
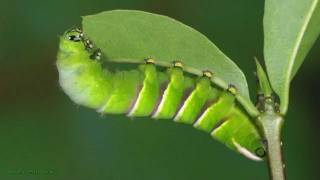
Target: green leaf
(263,80)
(290,29)
(129,36)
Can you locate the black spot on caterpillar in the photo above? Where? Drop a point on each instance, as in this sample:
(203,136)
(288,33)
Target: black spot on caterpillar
(160,94)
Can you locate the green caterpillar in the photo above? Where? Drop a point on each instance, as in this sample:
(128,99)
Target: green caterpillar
(146,91)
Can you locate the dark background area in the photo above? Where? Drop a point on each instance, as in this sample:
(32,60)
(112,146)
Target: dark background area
(43,135)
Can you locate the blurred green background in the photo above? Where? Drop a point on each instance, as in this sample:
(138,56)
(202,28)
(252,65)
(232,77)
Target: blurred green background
(43,135)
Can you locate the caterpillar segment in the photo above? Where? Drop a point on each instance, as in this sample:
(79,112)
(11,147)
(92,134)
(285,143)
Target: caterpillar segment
(234,132)
(124,92)
(215,112)
(176,88)
(197,99)
(150,92)
(145,91)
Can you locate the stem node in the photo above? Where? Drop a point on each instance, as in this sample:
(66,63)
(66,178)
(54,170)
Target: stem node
(270,125)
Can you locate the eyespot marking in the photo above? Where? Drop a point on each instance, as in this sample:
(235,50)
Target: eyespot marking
(74,38)
(74,35)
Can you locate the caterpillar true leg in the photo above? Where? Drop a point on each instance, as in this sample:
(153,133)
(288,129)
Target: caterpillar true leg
(96,55)
(88,44)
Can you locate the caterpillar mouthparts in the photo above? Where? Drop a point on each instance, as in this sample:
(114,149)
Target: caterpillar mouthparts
(160,94)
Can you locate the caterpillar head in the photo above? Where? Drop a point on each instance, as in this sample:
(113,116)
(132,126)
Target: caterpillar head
(74,50)
(72,41)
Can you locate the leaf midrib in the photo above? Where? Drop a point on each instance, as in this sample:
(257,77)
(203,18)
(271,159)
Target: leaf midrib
(292,58)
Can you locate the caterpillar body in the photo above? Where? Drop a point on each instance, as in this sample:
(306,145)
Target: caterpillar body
(160,94)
